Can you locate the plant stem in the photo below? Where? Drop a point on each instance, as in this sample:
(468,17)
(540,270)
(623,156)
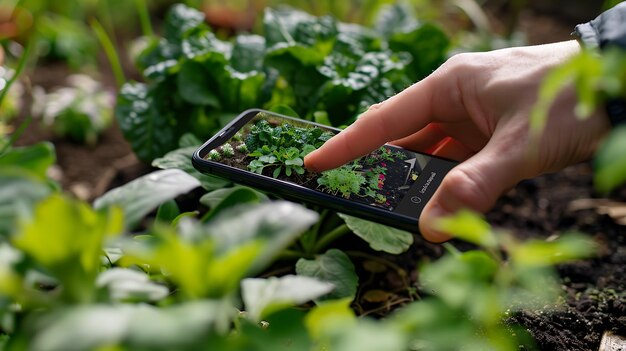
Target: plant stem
(18,71)
(332,236)
(16,135)
(110,51)
(144,18)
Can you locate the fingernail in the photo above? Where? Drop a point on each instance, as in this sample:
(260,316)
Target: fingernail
(428,221)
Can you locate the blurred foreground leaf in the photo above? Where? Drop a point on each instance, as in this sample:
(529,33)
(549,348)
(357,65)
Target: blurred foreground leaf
(380,237)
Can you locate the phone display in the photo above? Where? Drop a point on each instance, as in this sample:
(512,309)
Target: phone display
(266,150)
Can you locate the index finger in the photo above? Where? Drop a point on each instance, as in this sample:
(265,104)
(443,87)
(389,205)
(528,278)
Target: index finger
(395,118)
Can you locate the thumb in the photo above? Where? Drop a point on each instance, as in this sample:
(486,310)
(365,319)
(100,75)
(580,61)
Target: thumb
(475,185)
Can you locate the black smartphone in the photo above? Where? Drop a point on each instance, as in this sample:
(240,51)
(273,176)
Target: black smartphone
(265,150)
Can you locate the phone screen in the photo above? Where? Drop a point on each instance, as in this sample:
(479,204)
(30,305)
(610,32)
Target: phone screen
(390,178)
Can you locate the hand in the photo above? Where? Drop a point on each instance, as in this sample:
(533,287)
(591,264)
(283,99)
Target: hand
(475,108)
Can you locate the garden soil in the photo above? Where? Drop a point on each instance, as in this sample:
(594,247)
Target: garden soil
(594,289)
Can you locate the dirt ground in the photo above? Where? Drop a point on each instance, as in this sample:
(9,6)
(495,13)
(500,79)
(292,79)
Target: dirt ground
(595,289)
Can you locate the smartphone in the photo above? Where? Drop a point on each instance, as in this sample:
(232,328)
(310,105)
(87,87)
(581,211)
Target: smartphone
(265,150)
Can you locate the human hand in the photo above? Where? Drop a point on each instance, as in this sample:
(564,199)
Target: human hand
(475,108)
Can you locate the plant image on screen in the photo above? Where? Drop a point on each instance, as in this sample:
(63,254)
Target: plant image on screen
(276,148)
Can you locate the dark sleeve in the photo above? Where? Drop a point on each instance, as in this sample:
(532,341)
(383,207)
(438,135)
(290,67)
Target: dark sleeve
(608,29)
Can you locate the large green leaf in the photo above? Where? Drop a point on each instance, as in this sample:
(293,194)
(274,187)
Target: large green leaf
(181,159)
(262,297)
(276,224)
(395,18)
(334,267)
(248,52)
(138,327)
(428,45)
(144,194)
(222,199)
(150,131)
(65,238)
(35,159)
(181,19)
(196,86)
(380,237)
(18,194)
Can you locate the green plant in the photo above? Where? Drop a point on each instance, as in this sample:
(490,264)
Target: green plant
(317,66)
(80,111)
(344,180)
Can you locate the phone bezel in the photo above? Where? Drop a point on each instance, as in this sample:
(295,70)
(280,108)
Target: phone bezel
(287,190)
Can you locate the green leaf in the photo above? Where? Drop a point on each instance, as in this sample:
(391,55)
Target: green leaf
(241,193)
(262,297)
(149,131)
(128,285)
(371,336)
(277,224)
(610,161)
(35,159)
(333,267)
(330,318)
(380,237)
(470,227)
(427,44)
(142,195)
(65,237)
(248,53)
(196,86)
(18,195)
(181,159)
(395,18)
(181,19)
(547,253)
(180,327)
(168,211)
(222,199)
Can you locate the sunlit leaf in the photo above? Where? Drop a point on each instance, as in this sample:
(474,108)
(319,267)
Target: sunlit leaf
(142,195)
(380,237)
(470,227)
(264,296)
(546,253)
(330,318)
(65,237)
(333,267)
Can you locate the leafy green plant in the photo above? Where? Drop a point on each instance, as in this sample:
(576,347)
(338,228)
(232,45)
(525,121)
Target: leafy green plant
(316,66)
(344,180)
(80,111)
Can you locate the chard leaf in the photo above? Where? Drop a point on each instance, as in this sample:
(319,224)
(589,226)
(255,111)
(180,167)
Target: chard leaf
(181,159)
(395,18)
(333,267)
(181,19)
(196,86)
(265,296)
(380,237)
(427,44)
(144,194)
(248,52)
(148,129)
